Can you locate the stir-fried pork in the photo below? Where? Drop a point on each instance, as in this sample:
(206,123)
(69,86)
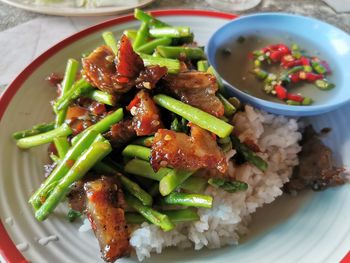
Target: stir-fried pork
(179,150)
(121,133)
(100,70)
(197,89)
(149,77)
(105,210)
(146,120)
(316,168)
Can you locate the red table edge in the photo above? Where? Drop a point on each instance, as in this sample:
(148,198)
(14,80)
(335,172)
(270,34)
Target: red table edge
(8,249)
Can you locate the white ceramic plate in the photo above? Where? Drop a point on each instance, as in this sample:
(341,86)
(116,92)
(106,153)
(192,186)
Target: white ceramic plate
(313,227)
(55,9)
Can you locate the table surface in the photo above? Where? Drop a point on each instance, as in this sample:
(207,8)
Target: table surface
(11,16)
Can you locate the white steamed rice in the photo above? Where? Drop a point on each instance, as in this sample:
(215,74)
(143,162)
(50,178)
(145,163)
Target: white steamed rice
(277,137)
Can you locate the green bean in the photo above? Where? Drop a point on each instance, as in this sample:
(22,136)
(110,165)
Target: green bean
(248,154)
(138,151)
(145,17)
(149,47)
(95,153)
(175,216)
(63,167)
(67,83)
(144,141)
(43,138)
(171,32)
(110,41)
(194,184)
(62,146)
(172,180)
(151,215)
(228,186)
(131,34)
(179,52)
(229,108)
(173,65)
(36,129)
(141,36)
(197,116)
(101,97)
(127,184)
(103,125)
(79,87)
(144,169)
(202,65)
(196,200)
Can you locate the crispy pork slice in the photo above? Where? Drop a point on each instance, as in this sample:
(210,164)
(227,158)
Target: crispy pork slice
(146,117)
(149,77)
(181,151)
(105,209)
(100,71)
(121,133)
(197,89)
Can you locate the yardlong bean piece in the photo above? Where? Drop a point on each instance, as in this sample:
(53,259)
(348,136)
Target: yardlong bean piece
(95,153)
(202,65)
(127,184)
(79,87)
(248,154)
(229,108)
(172,180)
(62,146)
(228,186)
(42,138)
(144,141)
(63,167)
(138,151)
(145,17)
(151,215)
(171,32)
(131,34)
(102,97)
(68,80)
(194,184)
(173,65)
(103,125)
(110,41)
(195,115)
(149,47)
(196,200)
(36,129)
(144,169)
(178,52)
(141,36)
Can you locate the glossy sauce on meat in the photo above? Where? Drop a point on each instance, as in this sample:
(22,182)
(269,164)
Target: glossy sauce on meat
(146,117)
(197,89)
(181,151)
(121,133)
(149,77)
(105,209)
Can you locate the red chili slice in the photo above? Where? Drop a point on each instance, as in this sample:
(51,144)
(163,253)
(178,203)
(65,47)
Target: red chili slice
(312,77)
(295,97)
(281,92)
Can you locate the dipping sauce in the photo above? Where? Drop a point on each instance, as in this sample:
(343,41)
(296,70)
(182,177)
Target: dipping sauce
(236,64)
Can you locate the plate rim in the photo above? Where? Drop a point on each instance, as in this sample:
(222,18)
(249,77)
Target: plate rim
(8,249)
(70,11)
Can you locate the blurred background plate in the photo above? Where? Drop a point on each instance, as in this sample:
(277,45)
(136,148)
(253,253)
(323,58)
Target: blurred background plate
(311,227)
(56,9)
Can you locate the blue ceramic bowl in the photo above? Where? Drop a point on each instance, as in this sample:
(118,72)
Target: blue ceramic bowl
(311,34)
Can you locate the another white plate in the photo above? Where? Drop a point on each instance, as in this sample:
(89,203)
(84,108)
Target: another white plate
(55,9)
(312,227)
